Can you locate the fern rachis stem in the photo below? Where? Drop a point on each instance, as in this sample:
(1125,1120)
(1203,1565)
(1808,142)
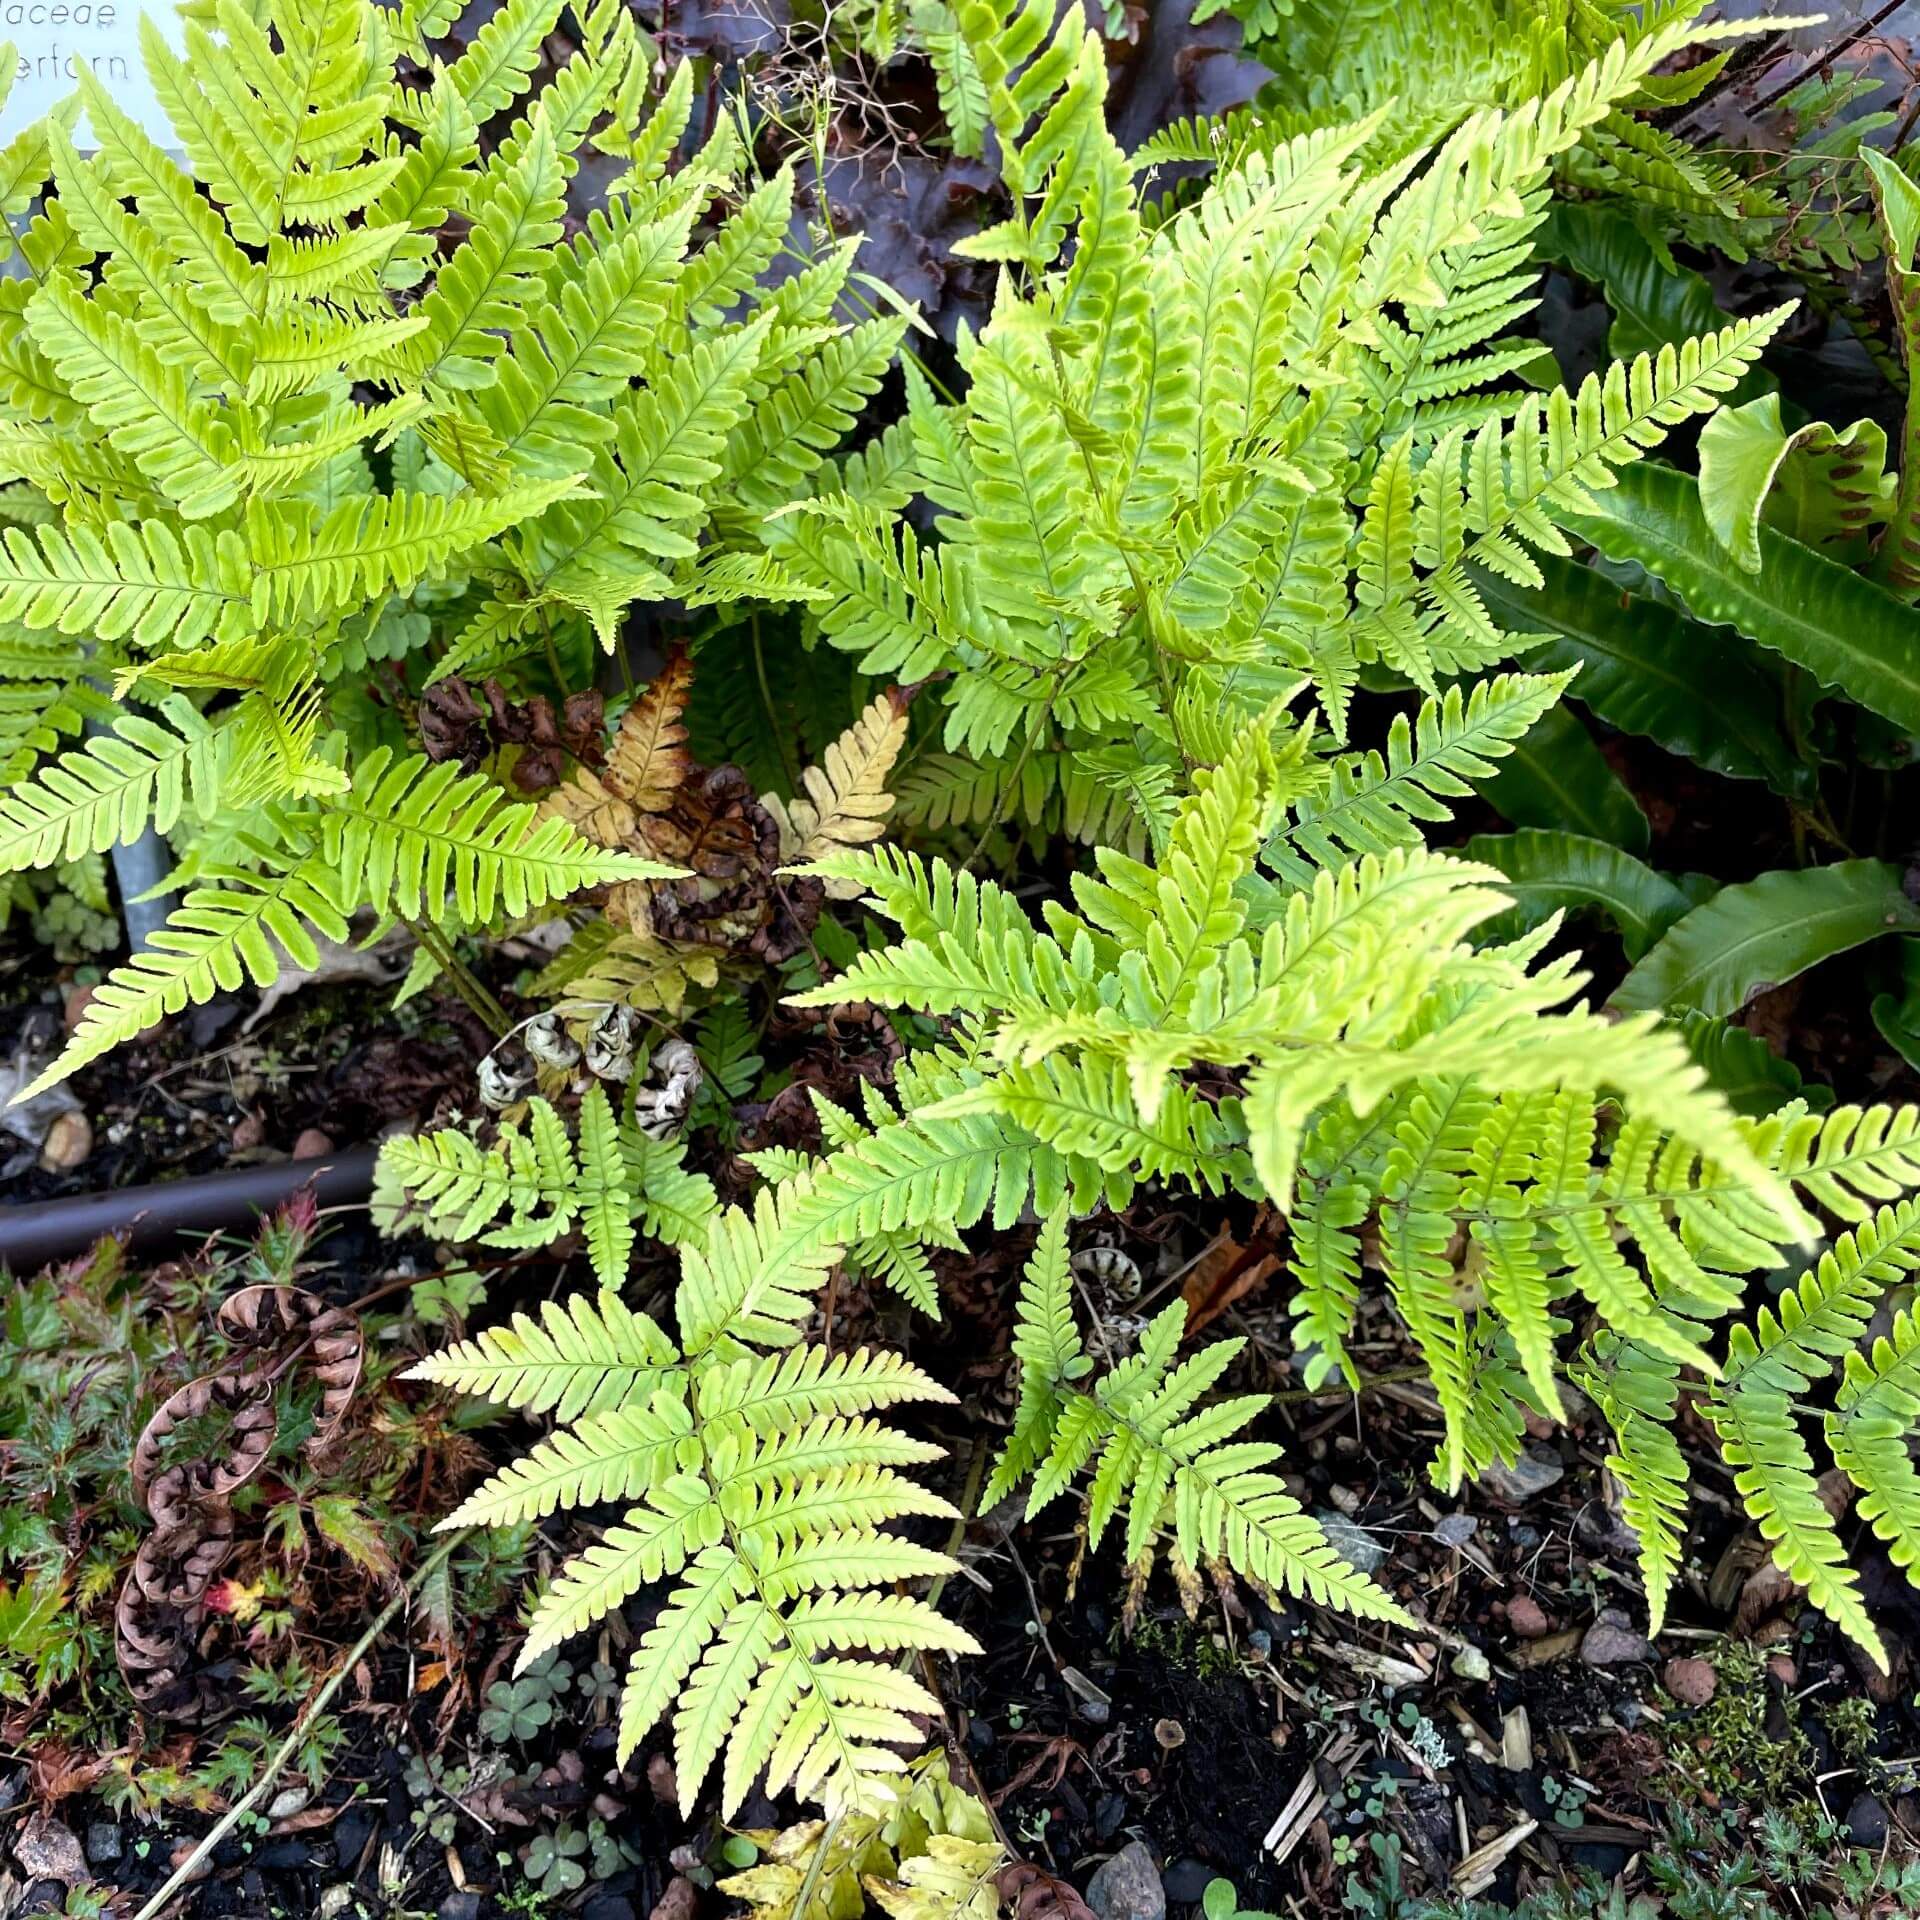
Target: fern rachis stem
(464,981)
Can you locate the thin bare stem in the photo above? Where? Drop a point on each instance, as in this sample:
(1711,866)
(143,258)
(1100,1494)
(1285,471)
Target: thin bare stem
(316,1706)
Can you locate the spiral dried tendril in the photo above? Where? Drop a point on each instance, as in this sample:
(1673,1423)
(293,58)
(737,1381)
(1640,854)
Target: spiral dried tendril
(163,1602)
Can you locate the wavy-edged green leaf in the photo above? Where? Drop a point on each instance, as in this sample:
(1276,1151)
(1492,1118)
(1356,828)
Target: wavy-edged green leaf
(1764,932)
(1745,1071)
(1897,1015)
(1897,202)
(1647,669)
(1556,778)
(1847,632)
(1553,872)
(1653,304)
(1820,485)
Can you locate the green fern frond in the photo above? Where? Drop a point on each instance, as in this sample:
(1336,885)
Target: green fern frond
(220,936)
(149,583)
(420,836)
(1157,1455)
(140,775)
(1876,1409)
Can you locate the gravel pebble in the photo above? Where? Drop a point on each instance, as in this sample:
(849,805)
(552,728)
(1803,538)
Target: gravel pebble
(1127,1887)
(1530,1476)
(1527,1617)
(1612,1642)
(1690,1681)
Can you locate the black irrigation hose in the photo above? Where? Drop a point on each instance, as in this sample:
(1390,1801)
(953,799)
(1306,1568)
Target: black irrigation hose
(30,1236)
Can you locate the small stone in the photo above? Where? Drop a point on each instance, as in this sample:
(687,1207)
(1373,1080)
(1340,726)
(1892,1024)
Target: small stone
(206,1024)
(285,1804)
(662,1779)
(1127,1887)
(1530,1476)
(48,1850)
(1471,1664)
(249,1131)
(1527,1617)
(1612,1642)
(104,1844)
(459,1906)
(201,1867)
(69,1140)
(1186,1879)
(1109,1816)
(1363,1551)
(1456,1529)
(350,1834)
(311,1144)
(1866,1821)
(681,1901)
(1783,1670)
(1691,1681)
(78,1000)
(284,1856)
(1260,1643)
(1096,1713)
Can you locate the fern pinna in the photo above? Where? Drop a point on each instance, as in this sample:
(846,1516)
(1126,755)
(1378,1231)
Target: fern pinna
(274,437)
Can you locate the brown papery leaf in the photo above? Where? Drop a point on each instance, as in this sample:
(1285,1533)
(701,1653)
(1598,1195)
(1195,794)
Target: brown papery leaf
(649,761)
(1224,1273)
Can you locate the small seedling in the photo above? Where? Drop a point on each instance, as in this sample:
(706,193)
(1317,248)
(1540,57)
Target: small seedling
(1221,1902)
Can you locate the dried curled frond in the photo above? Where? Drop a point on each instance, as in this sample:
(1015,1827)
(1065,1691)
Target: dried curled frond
(273,1330)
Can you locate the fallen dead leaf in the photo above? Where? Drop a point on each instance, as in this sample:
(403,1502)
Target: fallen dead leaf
(1544,1651)
(1225,1273)
(57,1772)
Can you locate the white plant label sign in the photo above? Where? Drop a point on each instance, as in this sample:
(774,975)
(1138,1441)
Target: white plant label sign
(54,39)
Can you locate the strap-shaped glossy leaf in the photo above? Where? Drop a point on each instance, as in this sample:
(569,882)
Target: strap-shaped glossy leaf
(1897,1015)
(1822,486)
(1897,201)
(1557,778)
(1652,304)
(1767,931)
(1847,632)
(1552,872)
(1745,1071)
(1646,668)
